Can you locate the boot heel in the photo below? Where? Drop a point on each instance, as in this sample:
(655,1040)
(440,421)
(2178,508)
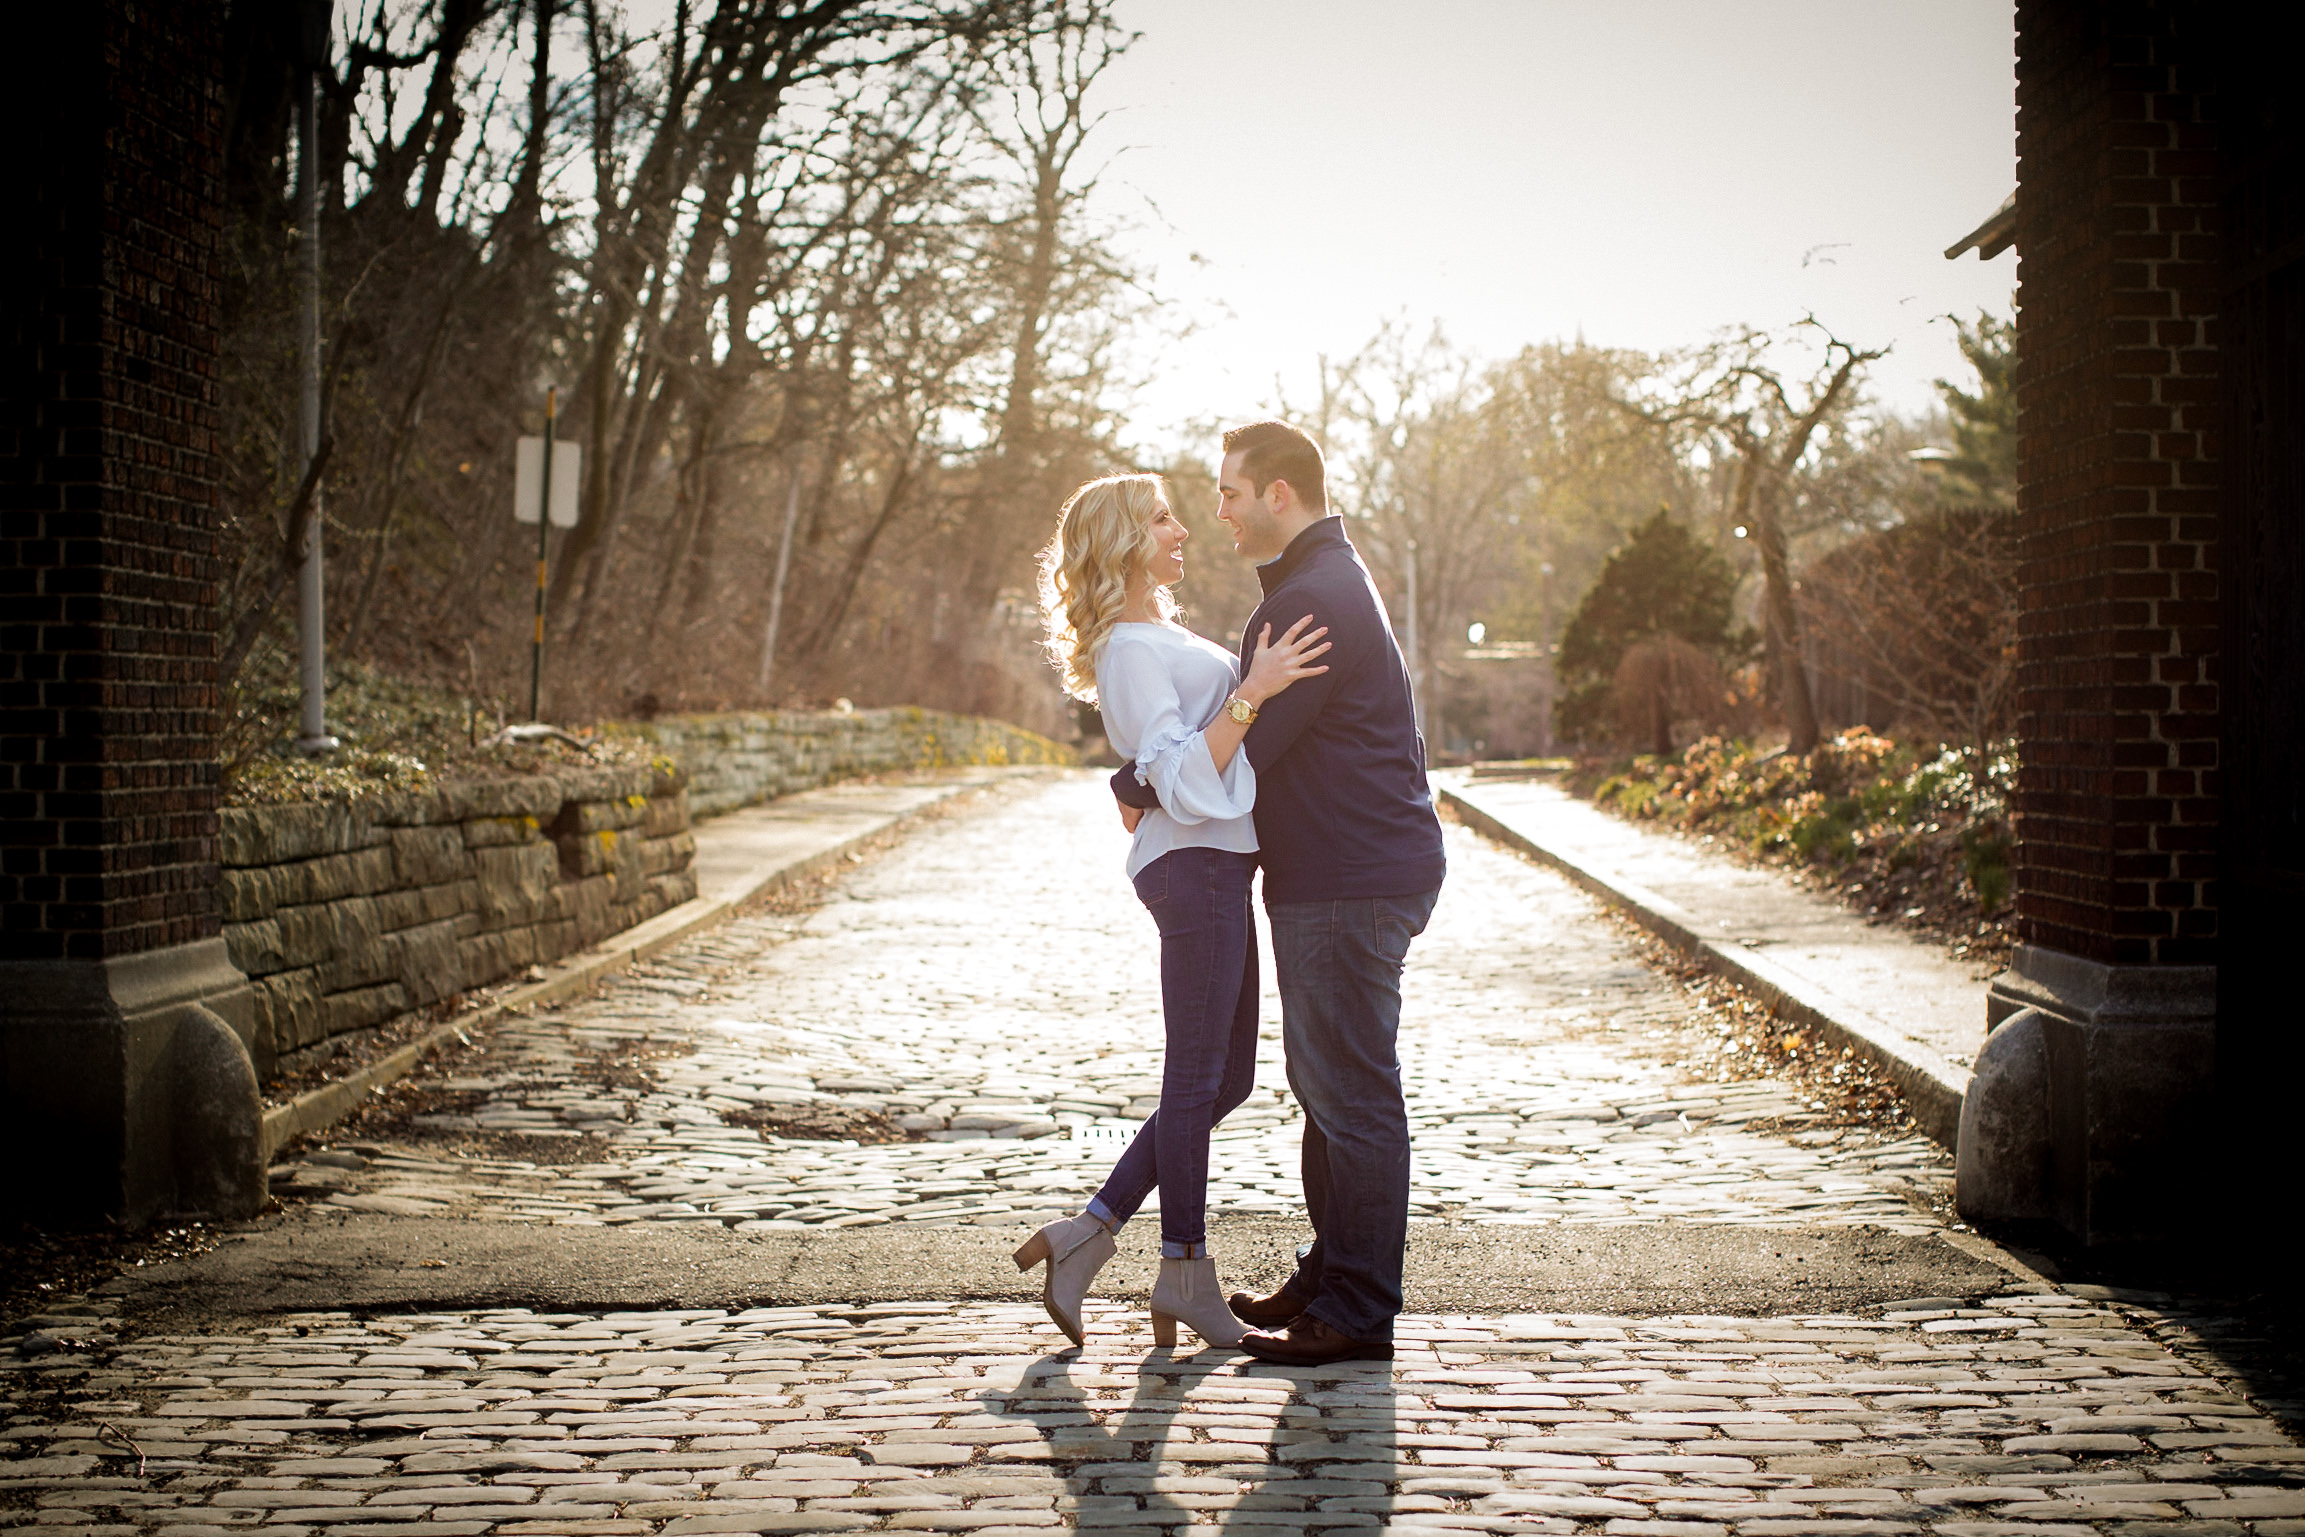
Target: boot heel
(1034,1252)
(1187,1292)
(1164,1331)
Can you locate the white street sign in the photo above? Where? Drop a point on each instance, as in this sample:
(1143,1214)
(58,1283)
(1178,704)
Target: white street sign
(528,477)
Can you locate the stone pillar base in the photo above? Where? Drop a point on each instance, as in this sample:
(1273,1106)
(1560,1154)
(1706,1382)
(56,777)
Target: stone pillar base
(126,1089)
(2092,1102)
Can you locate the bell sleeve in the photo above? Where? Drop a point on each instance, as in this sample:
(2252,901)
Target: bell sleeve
(1145,720)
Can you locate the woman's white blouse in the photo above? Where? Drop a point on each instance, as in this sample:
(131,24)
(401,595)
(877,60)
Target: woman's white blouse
(1159,687)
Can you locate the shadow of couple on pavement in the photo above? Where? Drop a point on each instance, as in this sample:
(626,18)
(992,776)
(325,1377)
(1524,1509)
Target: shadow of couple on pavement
(1281,1440)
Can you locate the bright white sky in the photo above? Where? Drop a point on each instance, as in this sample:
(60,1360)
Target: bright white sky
(1641,171)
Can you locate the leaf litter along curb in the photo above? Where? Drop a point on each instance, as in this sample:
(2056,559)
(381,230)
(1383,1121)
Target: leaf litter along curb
(1729,1036)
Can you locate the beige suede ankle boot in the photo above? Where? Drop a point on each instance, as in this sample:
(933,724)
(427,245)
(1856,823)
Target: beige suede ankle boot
(1074,1249)
(1187,1290)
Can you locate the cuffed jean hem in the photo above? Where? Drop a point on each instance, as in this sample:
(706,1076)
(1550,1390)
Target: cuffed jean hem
(1169,1250)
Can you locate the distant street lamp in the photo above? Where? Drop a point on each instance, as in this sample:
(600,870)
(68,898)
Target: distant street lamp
(314,18)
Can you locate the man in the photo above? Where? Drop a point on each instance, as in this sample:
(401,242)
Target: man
(1351,852)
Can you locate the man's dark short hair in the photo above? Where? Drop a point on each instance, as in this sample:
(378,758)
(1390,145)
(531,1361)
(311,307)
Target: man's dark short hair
(1273,451)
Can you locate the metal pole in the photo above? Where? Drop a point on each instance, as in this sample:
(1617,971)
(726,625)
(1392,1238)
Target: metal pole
(543,530)
(783,564)
(1416,659)
(311,632)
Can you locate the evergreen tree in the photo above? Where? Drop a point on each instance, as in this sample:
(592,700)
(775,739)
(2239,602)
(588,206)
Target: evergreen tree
(1983,469)
(1661,581)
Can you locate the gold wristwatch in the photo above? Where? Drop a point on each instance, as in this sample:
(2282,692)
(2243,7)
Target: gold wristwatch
(1241,710)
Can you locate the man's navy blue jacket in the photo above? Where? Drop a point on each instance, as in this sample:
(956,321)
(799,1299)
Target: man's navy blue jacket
(1343,805)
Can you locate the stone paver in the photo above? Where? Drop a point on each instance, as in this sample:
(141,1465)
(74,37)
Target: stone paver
(2033,1416)
(992,985)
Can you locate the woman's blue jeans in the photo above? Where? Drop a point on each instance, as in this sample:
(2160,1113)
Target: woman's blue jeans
(1199,898)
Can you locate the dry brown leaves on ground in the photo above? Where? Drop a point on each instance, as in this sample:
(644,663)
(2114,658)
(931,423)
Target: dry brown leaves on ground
(1731,1036)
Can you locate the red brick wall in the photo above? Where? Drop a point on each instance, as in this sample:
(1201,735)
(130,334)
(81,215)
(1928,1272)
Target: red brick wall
(108,571)
(2117,447)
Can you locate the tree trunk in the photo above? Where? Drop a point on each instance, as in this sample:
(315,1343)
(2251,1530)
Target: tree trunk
(1783,633)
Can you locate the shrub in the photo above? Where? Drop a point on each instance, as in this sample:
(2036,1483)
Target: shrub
(1895,821)
(1642,649)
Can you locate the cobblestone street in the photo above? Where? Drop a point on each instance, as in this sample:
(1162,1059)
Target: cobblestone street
(986,990)
(992,985)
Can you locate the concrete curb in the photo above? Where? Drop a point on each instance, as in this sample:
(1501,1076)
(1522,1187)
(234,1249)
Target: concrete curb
(573,976)
(1932,1087)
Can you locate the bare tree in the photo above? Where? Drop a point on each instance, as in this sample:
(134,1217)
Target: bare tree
(1927,612)
(1737,398)
(1434,474)
(840,257)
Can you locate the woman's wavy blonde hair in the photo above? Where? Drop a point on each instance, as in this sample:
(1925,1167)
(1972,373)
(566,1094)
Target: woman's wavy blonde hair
(1103,536)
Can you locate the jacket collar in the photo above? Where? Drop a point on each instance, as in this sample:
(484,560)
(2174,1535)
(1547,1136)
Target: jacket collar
(1303,550)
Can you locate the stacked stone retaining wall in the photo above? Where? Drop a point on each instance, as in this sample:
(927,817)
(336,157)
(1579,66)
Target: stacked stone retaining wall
(344,914)
(738,759)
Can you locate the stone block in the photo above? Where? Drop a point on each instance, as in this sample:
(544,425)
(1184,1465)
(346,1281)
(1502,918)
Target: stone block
(593,816)
(667,814)
(486,958)
(271,835)
(555,939)
(428,960)
(2002,1170)
(246,895)
(588,904)
(263,1032)
(515,882)
(339,933)
(337,875)
(217,1143)
(2109,1116)
(530,795)
(360,956)
(496,832)
(358,1008)
(584,786)
(661,856)
(255,947)
(673,888)
(289,1004)
(396,910)
(428,856)
(408,808)
(587,854)
(127,1090)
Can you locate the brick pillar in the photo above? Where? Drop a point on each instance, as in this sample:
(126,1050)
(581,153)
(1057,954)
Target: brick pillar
(123,1077)
(2116,804)
(2261,862)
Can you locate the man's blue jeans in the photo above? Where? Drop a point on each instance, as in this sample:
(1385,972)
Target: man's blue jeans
(1340,976)
(1199,898)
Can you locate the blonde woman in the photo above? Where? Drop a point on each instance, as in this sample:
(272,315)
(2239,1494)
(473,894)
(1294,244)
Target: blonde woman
(1178,706)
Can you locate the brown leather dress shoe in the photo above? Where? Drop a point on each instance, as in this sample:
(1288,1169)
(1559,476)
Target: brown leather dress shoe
(1309,1342)
(1274,1312)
